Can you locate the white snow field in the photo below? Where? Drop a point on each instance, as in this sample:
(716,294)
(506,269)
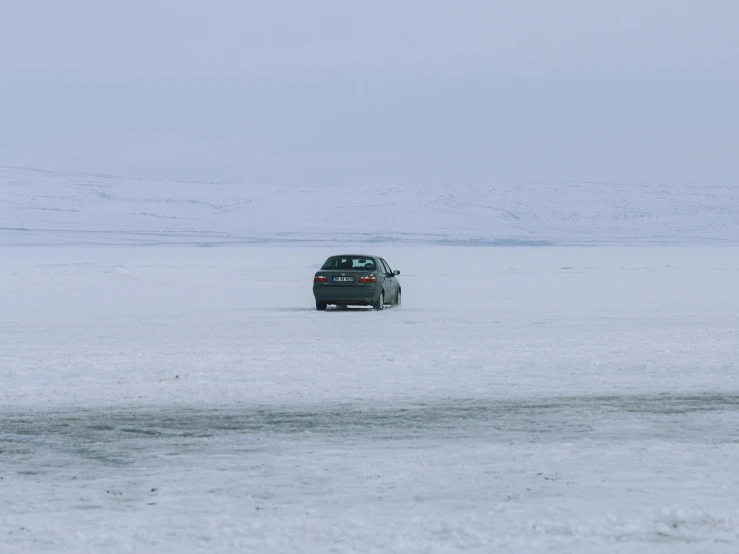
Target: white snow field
(523,399)
(39,207)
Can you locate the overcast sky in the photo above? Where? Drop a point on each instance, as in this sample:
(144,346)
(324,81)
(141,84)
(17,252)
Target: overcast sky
(404,91)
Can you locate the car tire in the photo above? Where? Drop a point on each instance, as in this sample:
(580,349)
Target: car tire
(380,303)
(398,298)
(321,306)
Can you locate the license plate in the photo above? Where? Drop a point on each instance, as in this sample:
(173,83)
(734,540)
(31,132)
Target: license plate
(343,279)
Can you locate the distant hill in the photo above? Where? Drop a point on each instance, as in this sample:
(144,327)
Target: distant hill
(40,207)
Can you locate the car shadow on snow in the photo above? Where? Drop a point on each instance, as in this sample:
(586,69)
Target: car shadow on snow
(330,309)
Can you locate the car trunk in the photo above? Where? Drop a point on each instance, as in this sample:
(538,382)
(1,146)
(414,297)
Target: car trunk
(344,277)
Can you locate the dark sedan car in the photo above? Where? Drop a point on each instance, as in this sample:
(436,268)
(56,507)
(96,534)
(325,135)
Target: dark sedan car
(356,280)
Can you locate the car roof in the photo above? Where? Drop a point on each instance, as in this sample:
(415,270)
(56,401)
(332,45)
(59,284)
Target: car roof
(354,256)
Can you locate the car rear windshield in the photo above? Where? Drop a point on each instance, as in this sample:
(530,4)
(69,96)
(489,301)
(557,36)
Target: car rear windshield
(349,262)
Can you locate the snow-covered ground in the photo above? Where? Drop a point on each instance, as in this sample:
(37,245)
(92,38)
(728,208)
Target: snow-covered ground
(38,207)
(184,399)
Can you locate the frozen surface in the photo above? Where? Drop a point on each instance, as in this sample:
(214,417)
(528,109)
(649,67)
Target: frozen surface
(522,399)
(39,207)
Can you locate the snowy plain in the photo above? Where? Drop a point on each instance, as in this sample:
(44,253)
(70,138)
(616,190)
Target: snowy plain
(526,399)
(166,396)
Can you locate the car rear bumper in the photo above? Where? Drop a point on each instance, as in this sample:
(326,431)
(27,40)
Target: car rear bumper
(338,294)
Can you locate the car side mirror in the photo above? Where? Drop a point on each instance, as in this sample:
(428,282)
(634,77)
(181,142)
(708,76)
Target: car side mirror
(396,272)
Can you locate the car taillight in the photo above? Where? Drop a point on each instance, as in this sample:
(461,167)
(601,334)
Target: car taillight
(368,279)
(320,279)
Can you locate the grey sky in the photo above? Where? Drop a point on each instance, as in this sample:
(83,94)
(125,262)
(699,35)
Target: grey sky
(477,92)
